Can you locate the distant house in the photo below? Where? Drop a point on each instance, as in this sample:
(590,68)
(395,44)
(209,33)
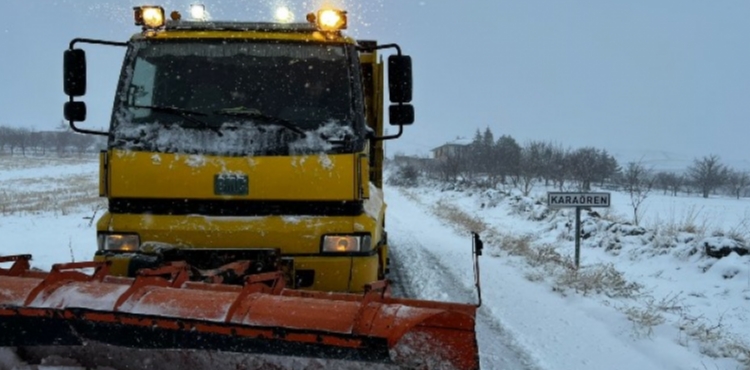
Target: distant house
(452,148)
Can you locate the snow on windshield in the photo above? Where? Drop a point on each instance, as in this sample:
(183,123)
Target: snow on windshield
(234,98)
(233,138)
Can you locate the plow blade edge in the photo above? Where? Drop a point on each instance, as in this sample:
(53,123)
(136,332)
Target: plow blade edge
(151,322)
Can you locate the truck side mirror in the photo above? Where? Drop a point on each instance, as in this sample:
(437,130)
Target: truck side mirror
(402,114)
(399,78)
(74,72)
(75,111)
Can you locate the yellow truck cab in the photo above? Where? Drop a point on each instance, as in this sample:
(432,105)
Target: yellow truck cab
(241,141)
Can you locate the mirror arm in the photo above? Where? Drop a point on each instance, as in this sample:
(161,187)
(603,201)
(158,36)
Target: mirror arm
(398,52)
(379,47)
(71,46)
(84,131)
(96,42)
(390,137)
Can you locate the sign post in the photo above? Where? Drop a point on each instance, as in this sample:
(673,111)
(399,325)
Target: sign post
(577,200)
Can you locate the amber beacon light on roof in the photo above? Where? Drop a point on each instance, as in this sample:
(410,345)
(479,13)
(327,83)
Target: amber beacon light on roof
(149,16)
(328,19)
(152,17)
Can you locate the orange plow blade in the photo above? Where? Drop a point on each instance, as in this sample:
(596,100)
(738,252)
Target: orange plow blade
(151,322)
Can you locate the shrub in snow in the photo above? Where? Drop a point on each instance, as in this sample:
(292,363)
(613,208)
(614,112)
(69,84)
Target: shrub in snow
(626,229)
(644,320)
(651,313)
(539,212)
(532,209)
(719,246)
(729,267)
(598,279)
(406,175)
(458,218)
(589,227)
(713,339)
(663,243)
(490,198)
(547,254)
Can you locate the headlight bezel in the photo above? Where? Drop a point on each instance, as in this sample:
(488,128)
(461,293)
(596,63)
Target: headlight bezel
(358,244)
(119,242)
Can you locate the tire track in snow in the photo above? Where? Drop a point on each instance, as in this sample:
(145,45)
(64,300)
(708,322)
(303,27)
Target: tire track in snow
(418,273)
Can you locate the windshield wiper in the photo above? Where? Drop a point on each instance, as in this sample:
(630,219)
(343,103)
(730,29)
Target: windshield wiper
(345,142)
(184,113)
(251,113)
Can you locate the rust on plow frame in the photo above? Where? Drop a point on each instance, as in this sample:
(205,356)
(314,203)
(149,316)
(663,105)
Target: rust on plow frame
(66,307)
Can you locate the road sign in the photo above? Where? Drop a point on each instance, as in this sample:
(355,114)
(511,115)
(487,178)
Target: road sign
(577,200)
(560,200)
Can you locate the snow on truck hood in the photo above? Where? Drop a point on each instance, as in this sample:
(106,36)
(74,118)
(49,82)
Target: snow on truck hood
(237,138)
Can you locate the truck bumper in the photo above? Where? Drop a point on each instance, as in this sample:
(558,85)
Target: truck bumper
(316,272)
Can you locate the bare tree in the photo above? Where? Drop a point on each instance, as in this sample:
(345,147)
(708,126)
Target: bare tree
(676,182)
(480,158)
(487,161)
(5,134)
(707,174)
(18,138)
(583,167)
(530,167)
(450,166)
(606,167)
(669,182)
(661,181)
(507,157)
(473,156)
(737,181)
(559,167)
(547,158)
(637,181)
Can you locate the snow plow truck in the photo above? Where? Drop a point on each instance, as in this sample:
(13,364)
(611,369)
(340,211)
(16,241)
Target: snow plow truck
(245,225)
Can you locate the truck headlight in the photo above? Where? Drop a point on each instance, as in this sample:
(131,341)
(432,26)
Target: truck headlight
(119,242)
(346,243)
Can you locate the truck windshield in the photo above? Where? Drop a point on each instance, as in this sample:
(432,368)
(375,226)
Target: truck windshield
(233,98)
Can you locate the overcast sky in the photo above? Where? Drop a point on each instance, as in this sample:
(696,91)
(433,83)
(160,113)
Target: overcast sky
(631,76)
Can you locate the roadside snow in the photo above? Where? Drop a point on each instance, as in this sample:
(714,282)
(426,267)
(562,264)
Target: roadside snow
(560,326)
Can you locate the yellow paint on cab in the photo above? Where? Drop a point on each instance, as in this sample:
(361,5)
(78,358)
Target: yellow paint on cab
(317,177)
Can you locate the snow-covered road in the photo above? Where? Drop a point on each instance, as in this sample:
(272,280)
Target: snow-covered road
(522,324)
(418,273)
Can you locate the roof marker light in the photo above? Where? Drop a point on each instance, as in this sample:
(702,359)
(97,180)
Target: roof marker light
(198,12)
(284,15)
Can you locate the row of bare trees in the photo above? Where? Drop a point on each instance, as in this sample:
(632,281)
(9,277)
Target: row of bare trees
(62,141)
(505,161)
(490,162)
(705,176)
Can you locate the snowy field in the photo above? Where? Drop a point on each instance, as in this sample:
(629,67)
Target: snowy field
(643,299)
